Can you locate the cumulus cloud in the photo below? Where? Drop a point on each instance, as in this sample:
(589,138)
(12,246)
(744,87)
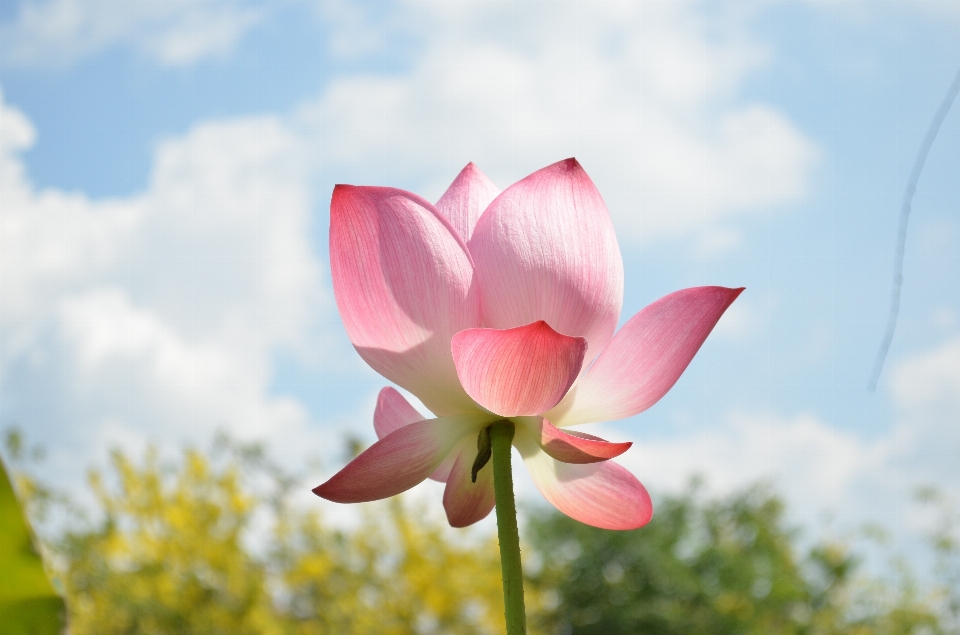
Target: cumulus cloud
(815,465)
(821,468)
(926,389)
(931,380)
(644,94)
(60,32)
(159,315)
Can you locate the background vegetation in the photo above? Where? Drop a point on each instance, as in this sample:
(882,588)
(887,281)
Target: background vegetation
(211,542)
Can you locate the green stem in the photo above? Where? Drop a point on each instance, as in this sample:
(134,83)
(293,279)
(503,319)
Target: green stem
(501,438)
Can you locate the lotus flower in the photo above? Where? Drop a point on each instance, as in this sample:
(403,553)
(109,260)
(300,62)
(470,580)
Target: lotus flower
(491,306)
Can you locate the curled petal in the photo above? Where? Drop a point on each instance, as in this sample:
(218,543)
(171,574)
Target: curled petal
(403,282)
(545,249)
(464,501)
(400,460)
(466,198)
(646,358)
(520,371)
(570,447)
(603,495)
(393,412)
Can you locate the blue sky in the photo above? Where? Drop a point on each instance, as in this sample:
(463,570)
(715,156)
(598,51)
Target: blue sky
(166,170)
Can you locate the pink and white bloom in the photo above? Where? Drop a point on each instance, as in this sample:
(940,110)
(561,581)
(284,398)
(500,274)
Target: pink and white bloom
(497,305)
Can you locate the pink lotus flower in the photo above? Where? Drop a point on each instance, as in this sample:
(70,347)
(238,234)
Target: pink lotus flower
(492,306)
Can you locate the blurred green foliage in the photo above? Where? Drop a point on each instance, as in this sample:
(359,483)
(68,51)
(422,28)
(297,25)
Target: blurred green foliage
(219,542)
(728,566)
(210,543)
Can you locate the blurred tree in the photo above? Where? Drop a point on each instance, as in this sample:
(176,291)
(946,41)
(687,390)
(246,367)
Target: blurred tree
(209,544)
(399,572)
(727,566)
(945,542)
(168,556)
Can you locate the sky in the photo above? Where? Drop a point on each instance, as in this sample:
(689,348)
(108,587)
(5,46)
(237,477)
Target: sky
(166,170)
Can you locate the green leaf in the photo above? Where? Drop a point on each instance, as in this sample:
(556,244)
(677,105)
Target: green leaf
(28,603)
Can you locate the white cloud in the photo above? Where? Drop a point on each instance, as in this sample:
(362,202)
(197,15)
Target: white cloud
(931,381)
(138,369)
(363,29)
(814,465)
(173,32)
(644,94)
(158,316)
(926,389)
(820,468)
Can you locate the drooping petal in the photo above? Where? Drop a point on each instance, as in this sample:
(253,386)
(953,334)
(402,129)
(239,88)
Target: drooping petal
(400,460)
(646,358)
(545,249)
(393,412)
(404,285)
(603,495)
(464,501)
(520,371)
(466,198)
(567,447)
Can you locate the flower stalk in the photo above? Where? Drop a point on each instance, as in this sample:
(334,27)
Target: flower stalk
(501,438)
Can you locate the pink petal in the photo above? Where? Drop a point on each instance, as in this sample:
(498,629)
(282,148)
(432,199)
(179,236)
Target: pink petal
(545,249)
(570,447)
(464,501)
(443,472)
(519,371)
(466,198)
(603,494)
(400,460)
(646,358)
(403,281)
(393,412)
